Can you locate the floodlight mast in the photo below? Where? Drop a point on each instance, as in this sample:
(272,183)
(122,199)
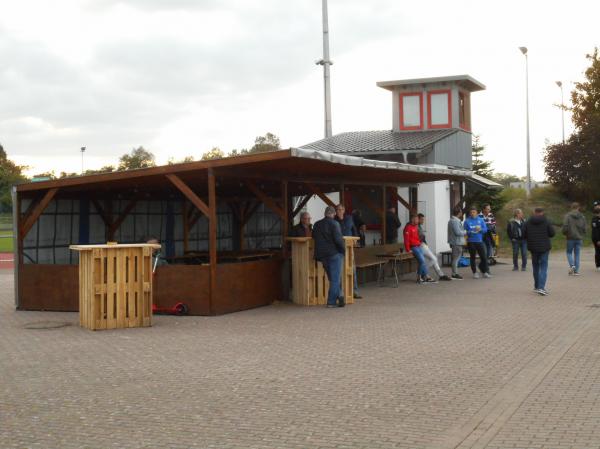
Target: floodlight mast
(326,62)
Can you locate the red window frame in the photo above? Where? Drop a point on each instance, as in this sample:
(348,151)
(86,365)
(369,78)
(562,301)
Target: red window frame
(434,92)
(411,94)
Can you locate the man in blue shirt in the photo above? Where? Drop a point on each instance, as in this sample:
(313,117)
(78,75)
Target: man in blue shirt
(348,230)
(476,231)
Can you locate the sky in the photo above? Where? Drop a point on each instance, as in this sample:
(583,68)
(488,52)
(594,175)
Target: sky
(182,76)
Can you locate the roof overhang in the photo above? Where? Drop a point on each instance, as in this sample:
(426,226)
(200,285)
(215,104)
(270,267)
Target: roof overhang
(465,81)
(485,182)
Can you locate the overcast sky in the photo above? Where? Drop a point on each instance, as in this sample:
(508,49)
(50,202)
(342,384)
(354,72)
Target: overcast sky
(182,76)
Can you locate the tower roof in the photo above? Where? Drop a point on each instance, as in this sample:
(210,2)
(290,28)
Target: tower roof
(464,81)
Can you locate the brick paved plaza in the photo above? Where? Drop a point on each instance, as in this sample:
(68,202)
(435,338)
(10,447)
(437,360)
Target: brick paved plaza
(471,364)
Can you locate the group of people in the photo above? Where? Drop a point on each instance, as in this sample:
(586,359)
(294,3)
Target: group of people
(477,230)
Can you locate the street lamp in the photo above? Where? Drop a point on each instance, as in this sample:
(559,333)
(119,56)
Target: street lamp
(82,151)
(528,183)
(562,108)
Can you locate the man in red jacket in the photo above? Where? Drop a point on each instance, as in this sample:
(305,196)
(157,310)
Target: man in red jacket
(412,243)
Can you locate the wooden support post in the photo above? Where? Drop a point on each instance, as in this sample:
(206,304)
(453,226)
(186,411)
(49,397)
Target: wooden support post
(401,200)
(101,212)
(186,226)
(285,220)
(320,194)
(37,210)
(212,239)
(189,193)
(383,213)
(343,195)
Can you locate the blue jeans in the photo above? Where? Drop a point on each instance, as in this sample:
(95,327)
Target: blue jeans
(333,268)
(574,247)
(418,253)
(539,262)
(519,245)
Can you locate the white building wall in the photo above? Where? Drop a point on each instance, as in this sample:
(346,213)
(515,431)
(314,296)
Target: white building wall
(316,206)
(434,203)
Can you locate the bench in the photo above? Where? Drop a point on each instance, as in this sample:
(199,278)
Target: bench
(369,264)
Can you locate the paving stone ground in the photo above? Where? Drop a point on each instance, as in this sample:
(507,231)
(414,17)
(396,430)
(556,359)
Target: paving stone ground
(471,364)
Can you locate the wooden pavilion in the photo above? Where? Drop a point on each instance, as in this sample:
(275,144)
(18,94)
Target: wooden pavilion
(222,223)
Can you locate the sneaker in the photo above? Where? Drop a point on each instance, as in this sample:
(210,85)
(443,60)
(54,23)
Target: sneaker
(356,296)
(536,290)
(571,271)
(515,268)
(430,280)
(523,268)
(458,277)
(341,301)
(445,277)
(576,273)
(542,292)
(420,281)
(487,275)
(332,306)
(476,276)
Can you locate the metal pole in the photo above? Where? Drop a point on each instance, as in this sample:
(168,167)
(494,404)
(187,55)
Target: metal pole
(528,182)
(562,110)
(82,151)
(326,63)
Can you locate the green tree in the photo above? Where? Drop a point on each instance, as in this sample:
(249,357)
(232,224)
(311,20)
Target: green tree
(213,153)
(268,142)
(173,161)
(137,158)
(475,194)
(573,167)
(480,166)
(10,174)
(505,178)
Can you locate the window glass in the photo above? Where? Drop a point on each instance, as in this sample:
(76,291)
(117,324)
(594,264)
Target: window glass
(411,111)
(439,109)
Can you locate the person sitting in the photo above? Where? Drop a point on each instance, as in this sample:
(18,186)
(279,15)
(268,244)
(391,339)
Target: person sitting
(412,243)
(304,228)
(427,253)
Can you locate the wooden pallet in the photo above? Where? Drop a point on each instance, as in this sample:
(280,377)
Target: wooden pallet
(115,285)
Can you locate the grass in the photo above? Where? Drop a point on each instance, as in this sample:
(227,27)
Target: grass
(555,206)
(6,233)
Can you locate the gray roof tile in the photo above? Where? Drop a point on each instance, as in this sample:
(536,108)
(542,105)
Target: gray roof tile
(360,142)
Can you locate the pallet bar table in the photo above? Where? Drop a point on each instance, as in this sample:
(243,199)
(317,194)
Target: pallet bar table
(115,285)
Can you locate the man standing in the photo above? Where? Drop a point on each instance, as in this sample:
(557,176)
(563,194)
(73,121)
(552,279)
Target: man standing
(412,243)
(427,253)
(476,230)
(360,226)
(304,228)
(490,223)
(329,250)
(392,224)
(515,234)
(596,235)
(456,239)
(348,230)
(574,229)
(538,231)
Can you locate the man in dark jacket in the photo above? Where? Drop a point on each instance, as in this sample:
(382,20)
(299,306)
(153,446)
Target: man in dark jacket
(596,234)
(304,228)
(348,230)
(392,224)
(515,234)
(538,231)
(329,250)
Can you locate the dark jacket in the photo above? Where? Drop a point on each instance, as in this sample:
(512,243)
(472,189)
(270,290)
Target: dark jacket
(392,223)
(515,229)
(299,231)
(538,232)
(327,235)
(596,229)
(347,225)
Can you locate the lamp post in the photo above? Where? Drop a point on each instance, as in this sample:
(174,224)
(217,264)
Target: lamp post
(528,183)
(562,109)
(326,62)
(82,151)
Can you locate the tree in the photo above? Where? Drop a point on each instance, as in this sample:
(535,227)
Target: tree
(10,174)
(186,159)
(505,178)
(213,153)
(474,194)
(268,142)
(573,167)
(480,167)
(138,158)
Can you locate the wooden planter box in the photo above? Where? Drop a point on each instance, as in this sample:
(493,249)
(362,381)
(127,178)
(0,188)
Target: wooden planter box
(115,285)
(309,280)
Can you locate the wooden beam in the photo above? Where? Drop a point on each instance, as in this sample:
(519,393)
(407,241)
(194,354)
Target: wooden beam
(39,208)
(265,199)
(189,193)
(320,194)
(112,229)
(300,205)
(251,211)
(285,219)
(197,215)
(401,200)
(101,212)
(367,201)
(383,215)
(186,226)
(212,239)
(343,194)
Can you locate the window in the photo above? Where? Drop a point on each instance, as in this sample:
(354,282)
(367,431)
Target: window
(411,111)
(439,111)
(464,111)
